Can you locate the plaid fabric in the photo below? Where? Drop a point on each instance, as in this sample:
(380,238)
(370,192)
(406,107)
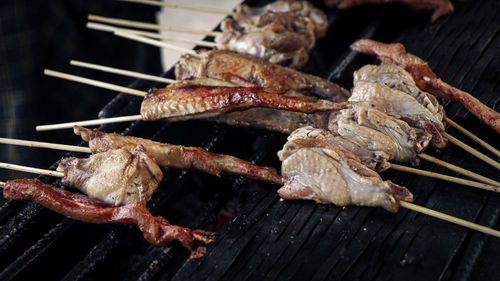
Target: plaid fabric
(47,34)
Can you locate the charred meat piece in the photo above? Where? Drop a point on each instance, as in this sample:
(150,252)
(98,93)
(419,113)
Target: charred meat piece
(176,156)
(328,175)
(248,17)
(118,176)
(439,7)
(314,137)
(218,64)
(400,105)
(156,230)
(426,79)
(180,102)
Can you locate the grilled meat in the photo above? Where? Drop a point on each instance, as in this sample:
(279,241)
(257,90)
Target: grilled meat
(181,102)
(426,79)
(156,230)
(219,64)
(280,43)
(118,177)
(328,175)
(439,7)
(407,141)
(249,17)
(176,156)
(314,137)
(397,78)
(400,105)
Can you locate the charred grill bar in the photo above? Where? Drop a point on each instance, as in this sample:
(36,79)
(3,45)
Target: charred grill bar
(292,240)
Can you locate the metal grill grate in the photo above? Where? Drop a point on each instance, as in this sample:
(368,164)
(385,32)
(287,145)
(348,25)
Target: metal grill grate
(272,240)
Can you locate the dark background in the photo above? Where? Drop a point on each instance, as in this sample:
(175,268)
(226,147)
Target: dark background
(35,35)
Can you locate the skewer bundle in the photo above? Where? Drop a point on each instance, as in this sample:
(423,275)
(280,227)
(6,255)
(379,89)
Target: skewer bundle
(404,204)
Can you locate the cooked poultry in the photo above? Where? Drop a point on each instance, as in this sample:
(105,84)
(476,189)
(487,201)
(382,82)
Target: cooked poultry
(439,7)
(178,102)
(400,105)
(258,16)
(377,131)
(397,78)
(314,137)
(329,175)
(282,32)
(176,156)
(426,79)
(156,230)
(219,64)
(118,176)
(285,41)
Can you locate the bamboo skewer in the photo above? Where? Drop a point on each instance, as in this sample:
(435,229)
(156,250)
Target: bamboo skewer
(472,151)
(110,28)
(458,169)
(31,170)
(429,174)
(392,166)
(92,122)
(154,42)
(49,145)
(122,72)
(186,7)
(449,218)
(151,26)
(472,136)
(94,82)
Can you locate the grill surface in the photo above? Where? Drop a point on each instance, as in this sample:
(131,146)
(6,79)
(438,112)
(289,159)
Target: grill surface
(266,239)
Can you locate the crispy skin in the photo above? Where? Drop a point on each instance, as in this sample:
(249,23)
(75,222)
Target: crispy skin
(218,63)
(117,176)
(156,230)
(180,157)
(179,102)
(426,79)
(439,7)
(328,175)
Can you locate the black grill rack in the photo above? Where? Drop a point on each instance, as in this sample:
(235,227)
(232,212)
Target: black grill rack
(267,239)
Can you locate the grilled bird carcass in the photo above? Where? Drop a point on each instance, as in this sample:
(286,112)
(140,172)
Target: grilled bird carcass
(309,136)
(156,230)
(176,156)
(400,105)
(255,16)
(330,175)
(118,176)
(377,131)
(282,32)
(178,101)
(439,7)
(219,64)
(426,79)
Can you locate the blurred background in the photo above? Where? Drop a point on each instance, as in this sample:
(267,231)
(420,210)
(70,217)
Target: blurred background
(35,35)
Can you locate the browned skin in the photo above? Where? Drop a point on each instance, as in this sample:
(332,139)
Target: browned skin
(426,79)
(156,230)
(180,157)
(217,63)
(208,101)
(439,7)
